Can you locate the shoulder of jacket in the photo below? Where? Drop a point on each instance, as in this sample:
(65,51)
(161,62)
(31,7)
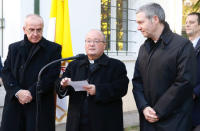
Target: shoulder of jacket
(115,62)
(16,45)
(52,44)
(74,64)
(180,39)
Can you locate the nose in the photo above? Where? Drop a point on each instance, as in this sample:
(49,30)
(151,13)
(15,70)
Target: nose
(139,27)
(187,23)
(35,33)
(92,43)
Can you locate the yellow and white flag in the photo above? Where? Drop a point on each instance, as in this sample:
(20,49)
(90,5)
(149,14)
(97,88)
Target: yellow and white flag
(59,32)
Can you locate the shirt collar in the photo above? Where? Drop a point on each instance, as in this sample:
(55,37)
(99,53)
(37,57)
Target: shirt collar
(91,61)
(194,42)
(103,60)
(41,43)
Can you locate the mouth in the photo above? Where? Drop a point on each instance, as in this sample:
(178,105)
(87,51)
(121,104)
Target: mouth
(142,31)
(91,49)
(187,30)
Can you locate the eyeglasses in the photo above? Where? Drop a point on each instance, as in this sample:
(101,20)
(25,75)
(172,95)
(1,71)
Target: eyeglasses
(93,41)
(32,31)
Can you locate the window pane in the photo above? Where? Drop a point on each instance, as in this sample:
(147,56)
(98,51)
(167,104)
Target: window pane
(105,20)
(115,22)
(122,20)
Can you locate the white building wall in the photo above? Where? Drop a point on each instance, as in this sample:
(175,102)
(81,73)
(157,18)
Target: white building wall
(45,7)
(14,14)
(84,15)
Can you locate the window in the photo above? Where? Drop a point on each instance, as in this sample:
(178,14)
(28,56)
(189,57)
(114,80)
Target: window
(37,7)
(117,22)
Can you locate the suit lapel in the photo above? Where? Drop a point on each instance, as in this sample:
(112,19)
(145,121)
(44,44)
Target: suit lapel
(32,52)
(22,52)
(197,48)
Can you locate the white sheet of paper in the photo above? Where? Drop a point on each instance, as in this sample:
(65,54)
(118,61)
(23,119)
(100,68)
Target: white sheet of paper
(78,85)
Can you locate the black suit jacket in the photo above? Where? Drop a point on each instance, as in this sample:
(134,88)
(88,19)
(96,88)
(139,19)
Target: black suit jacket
(196,109)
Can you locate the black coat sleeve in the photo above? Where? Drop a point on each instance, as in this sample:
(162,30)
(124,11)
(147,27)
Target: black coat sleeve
(138,90)
(115,89)
(69,89)
(10,83)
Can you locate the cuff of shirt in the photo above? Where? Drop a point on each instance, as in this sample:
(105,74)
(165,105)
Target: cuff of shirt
(16,94)
(63,91)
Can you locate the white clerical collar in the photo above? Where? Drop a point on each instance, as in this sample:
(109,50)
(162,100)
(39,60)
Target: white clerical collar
(91,61)
(194,42)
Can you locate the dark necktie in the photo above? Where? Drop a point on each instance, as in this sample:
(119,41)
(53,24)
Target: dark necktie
(92,67)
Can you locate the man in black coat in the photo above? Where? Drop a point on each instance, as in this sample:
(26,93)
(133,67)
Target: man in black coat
(99,106)
(165,74)
(193,31)
(24,61)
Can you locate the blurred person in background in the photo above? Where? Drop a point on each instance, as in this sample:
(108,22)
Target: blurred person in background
(192,27)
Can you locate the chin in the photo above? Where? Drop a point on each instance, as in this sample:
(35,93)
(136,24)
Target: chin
(34,41)
(189,33)
(92,54)
(145,35)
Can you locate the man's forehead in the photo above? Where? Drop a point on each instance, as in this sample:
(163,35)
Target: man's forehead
(34,21)
(140,16)
(192,17)
(93,35)
(34,26)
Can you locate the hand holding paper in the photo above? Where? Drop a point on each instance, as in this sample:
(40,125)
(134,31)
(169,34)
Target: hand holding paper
(65,82)
(78,85)
(91,89)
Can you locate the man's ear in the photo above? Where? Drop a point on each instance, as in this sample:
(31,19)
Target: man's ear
(24,29)
(105,44)
(155,19)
